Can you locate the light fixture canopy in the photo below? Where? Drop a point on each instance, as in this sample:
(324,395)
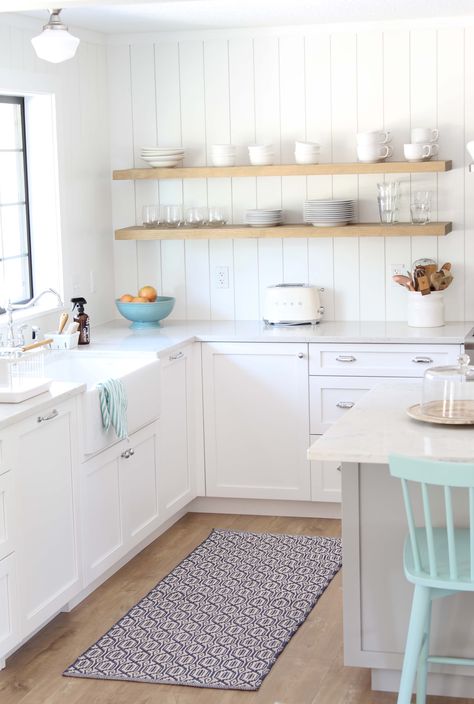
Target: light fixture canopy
(55,44)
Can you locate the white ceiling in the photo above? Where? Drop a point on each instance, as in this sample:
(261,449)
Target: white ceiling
(118,16)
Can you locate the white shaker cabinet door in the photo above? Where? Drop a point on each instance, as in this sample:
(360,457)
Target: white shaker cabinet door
(179,431)
(256,420)
(46,495)
(9,607)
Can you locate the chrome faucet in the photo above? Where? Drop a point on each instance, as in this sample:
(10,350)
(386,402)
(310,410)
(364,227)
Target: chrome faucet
(22,306)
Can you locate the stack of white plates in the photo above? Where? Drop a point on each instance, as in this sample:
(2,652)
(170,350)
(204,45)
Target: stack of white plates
(261,217)
(328,213)
(162,156)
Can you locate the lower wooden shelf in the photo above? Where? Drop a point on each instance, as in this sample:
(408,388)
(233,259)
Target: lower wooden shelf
(401,229)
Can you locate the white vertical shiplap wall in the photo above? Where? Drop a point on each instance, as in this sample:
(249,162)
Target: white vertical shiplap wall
(82,129)
(253,86)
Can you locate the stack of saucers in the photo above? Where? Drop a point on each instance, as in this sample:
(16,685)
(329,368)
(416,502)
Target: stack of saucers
(162,156)
(261,217)
(328,213)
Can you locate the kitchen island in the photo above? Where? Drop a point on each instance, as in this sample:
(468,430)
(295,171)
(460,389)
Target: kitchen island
(377,597)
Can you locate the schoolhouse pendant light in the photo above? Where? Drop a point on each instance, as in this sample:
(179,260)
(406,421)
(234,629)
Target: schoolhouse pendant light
(55,44)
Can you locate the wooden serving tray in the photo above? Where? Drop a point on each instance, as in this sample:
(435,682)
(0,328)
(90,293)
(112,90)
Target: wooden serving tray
(464,413)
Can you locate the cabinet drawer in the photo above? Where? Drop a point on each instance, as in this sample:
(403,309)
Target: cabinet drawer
(331,397)
(6,514)
(325,478)
(379,360)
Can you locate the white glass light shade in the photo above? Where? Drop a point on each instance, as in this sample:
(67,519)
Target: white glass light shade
(55,45)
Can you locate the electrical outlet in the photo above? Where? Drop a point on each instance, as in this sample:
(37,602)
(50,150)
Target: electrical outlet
(398,269)
(221,277)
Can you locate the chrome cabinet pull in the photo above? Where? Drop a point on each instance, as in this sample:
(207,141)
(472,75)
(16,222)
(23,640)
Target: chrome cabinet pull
(53,414)
(300,355)
(338,468)
(127,453)
(422,360)
(345,404)
(176,355)
(346,358)
(131,451)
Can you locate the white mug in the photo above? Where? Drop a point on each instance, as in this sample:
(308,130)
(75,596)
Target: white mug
(418,152)
(375,137)
(424,135)
(373,152)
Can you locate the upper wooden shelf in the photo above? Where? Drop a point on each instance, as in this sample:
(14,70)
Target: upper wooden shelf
(400,229)
(382,167)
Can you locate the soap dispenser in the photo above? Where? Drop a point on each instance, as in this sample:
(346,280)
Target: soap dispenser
(83,319)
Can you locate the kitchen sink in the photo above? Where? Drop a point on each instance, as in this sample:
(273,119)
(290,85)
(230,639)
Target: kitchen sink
(138,373)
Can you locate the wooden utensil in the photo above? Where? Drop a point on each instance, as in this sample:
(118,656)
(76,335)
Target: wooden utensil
(34,345)
(64,317)
(422,282)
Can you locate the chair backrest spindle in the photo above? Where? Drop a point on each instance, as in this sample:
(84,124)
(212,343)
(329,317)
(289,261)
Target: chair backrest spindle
(448,504)
(429,530)
(411,524)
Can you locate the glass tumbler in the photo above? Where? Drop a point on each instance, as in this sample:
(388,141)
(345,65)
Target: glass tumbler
(196,217)
(172,215)
(217,217)
(420,207)
(151,215)
(388,201)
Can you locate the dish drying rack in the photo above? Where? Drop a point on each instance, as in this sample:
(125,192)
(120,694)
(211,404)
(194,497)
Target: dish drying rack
(21,374)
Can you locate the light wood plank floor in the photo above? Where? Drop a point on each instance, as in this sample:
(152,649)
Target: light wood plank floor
(309,671)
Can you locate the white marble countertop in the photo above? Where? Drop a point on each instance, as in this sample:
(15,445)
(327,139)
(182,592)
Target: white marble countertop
(11,413)
(118,335)
(378,425)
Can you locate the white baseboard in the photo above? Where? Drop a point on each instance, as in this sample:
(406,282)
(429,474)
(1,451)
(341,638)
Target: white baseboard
(443,685)
(265,507)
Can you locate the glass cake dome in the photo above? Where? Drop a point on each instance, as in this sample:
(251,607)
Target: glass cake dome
(448,392)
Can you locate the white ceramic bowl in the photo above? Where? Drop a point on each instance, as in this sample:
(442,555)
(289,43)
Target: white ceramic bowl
(263,160)
(307,146)
(218,160)
(223,148)
(307,158)
(260,148)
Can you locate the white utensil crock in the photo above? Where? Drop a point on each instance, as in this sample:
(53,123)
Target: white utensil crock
(425,311)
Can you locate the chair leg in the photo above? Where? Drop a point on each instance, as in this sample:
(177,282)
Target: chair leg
(422,660)
(416,628)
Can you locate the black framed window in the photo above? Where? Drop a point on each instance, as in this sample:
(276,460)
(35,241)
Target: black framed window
(15,241)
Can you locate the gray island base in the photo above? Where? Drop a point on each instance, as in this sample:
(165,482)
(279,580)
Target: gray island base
(377,597)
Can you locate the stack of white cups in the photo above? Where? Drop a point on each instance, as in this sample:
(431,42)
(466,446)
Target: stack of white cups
(307,152)
(261,154)
(423,145)
(223,154)
(372,146)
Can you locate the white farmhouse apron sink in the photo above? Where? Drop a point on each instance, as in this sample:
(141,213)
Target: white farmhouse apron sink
(138,373)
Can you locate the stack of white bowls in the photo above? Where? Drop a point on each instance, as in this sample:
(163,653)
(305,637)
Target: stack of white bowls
(328,213)
(223,154)
(162,156)
(307,152)
(261,154)
(263,217)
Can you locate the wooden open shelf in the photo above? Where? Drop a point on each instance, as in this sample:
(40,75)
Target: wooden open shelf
(401,229)
(383,167)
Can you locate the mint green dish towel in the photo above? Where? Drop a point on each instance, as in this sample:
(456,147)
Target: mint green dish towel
(113,406)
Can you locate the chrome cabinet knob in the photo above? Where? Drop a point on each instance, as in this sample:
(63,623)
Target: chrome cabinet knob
(300,355)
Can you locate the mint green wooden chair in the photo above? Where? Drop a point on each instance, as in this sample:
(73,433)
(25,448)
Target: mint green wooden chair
(438,561)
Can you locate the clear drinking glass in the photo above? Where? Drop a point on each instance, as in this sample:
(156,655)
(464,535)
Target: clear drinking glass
(420,213)
(388,201)
(151,215)
(196,217)
(420,207)
(217,217)
(172,215)
(388,210)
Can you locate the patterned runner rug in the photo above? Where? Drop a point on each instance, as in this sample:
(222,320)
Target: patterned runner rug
(221,617)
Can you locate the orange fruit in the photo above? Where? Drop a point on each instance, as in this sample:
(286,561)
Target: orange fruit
(140,299)
(126,298)
(148,292)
